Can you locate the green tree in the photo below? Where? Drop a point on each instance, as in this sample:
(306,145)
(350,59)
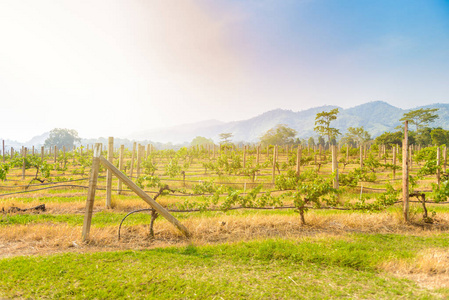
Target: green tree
(199,140)
(61,137)
(322,124)
(420,117)
(225,138)
(281,134)
(357,134)
(311,142)
(440,136)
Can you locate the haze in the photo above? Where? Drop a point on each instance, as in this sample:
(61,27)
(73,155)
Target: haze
(111,68)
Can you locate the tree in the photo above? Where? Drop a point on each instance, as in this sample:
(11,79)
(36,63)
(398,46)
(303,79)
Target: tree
(61,137)
(440,136)
(322,124)
(357,134)
(420,117)
(281,134)
(199,140)
(311,142)
(225,138)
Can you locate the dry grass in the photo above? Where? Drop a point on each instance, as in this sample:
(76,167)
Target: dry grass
(44,238)
(430,269)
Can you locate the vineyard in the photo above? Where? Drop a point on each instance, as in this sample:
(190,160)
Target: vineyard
(220,194)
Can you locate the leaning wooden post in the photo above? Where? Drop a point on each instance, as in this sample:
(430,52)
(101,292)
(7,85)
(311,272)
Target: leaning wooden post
(109,174)
(160,209)
(438,164)
(335,165)
(120,167)
(298,160)
(405,162)
(91,192)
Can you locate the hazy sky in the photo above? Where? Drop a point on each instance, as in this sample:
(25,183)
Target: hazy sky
(113,67)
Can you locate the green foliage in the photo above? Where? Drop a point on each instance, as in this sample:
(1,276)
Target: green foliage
(440,193)
(390,138)
(4,168)
(281,134)
(60,137)
(323,121)
(381,202)
(357,134)
(440,136)
(199,140)
(172,169)
(420,117)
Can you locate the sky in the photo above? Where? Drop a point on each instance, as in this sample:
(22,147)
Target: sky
(115,67)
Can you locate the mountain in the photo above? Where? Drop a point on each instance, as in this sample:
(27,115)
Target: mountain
(376,117)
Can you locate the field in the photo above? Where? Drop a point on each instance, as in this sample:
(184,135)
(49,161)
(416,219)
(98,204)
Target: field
(247,239)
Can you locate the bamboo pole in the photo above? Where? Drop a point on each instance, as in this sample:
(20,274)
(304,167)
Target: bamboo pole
(91,192)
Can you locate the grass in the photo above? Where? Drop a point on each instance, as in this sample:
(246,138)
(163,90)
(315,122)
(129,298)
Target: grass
(282,269)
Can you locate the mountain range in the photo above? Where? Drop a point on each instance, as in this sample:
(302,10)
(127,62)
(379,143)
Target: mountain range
(376,117)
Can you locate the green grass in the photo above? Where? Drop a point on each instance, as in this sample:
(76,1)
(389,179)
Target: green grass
(282,269)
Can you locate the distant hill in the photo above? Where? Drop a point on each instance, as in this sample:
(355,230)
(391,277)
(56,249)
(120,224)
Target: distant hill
(376,117)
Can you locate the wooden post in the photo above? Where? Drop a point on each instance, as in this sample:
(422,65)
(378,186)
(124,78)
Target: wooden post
(42,153)
(274,163)
(347,152)
(244,156)
(109,174)
(3,151)
(405,161)
(298,161)
(438,164)
(335,165)
(361,156)
(411,157)
(258,154)
(394,161)
(139,159)
(12,152)
(131,169)
(63,155)
(161,210)
(24,155)
(91,192)
(120,167)
(444,158)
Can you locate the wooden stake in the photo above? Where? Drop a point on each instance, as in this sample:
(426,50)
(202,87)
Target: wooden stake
(335,165)
(394,161)
(438,164)
(405,184)
(298,161)
(109,174)
(274,163)
(120,167)
(131,169)
(24,154)
(91,192)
